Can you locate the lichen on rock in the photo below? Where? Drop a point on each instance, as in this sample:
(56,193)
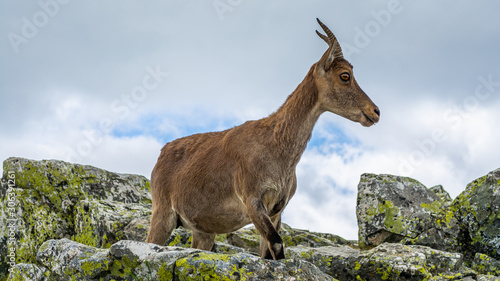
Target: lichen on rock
(478,212)
(56,199)
(132,260)
(249,238)
(400,209)
(79,222)
(485,264)
(389,261)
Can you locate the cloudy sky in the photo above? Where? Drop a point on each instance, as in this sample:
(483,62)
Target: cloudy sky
(108,83)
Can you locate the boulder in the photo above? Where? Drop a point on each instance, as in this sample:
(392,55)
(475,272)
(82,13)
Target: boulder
(71,222)
(442,194)
(64,259)
(400,209)
(389,261)
(478,212)
(49,199)
(132,260)
(209,266)
(484,264)
(28,271)
(101,223)
(249,238)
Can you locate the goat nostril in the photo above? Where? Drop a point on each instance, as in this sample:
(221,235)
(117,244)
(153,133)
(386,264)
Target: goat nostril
(377,111)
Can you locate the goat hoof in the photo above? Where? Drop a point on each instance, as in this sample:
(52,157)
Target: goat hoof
(279,251)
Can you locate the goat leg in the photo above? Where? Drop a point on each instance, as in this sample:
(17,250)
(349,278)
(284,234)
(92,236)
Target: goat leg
(271,246)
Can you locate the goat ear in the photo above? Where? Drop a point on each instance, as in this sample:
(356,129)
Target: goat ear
(326,60)
(330,58)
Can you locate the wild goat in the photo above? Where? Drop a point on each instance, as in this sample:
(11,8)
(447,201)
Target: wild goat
(218,182)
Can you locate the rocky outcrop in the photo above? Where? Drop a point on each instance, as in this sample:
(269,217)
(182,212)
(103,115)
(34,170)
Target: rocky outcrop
(388,261)
(477,210)
(72,222)
(132,260)
(399,209)
(64,259)
(42,200)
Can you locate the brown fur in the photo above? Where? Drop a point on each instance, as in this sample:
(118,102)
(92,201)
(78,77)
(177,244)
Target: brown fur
(218,182)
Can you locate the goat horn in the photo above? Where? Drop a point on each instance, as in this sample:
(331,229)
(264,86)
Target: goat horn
(332,40)
(323,37)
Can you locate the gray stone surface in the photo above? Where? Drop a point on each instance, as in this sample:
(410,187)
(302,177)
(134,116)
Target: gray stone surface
(54,199)
(79,222)
(132,260)
(388,261)
(400,209)
(478,212)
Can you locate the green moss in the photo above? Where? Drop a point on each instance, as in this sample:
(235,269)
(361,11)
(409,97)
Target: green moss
(251,238)
(71,272)
(358,266)
(120,269)
(478,182)
(384,271)
(486,265)
(49,193)
(45,200)
(86,235)
(205,266)
(176,241)
(117,268)
(373,211)
(327,260)
(448,217)
(474,212)
(164,274)
(435,207)
(359,278)
(131,263)
(180,237)
(61,184)
(147,185)
(16,276)
(91,267)
(391,221)
(307,255)
(221,237)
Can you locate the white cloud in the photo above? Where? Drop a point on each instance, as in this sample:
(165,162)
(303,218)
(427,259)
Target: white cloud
(327,187)
(134,155)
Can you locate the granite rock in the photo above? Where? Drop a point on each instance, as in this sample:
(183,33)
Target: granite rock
(72,222)
(50,199)
(401,209)
(478,212)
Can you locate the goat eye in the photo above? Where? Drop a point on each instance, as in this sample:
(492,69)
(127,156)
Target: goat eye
(345,76)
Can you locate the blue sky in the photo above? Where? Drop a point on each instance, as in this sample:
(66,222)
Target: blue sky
(108,83)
